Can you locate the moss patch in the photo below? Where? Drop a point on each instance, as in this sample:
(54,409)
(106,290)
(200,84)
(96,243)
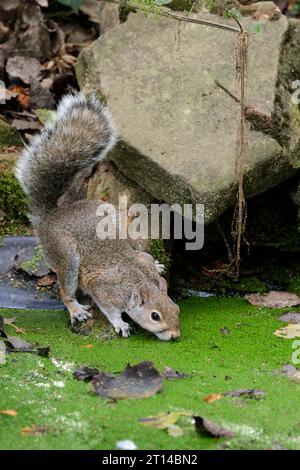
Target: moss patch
(161,253)
(9,136)
(13,204)
(33,263)
(248,356)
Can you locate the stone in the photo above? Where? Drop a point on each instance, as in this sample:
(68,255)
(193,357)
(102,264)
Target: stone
(107,184)
(31,261)
(177,126)
(287,99)
(104,13)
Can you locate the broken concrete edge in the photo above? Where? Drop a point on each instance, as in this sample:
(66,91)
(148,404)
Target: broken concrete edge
(150,175)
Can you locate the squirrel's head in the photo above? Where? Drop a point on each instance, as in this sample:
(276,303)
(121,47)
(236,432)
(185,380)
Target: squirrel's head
(156,312)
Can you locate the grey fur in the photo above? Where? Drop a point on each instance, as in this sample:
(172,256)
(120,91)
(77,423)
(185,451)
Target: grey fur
(116,277)
(81,135)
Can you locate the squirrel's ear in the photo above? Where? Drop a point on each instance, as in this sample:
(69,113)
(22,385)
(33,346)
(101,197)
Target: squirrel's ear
(144,294)
(163,287)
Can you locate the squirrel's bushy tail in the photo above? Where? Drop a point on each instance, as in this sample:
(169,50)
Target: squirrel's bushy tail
(81,134)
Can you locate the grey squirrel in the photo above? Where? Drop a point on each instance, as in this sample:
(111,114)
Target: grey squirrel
(118,278)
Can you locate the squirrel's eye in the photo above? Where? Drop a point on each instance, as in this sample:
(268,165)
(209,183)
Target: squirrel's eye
(155,316)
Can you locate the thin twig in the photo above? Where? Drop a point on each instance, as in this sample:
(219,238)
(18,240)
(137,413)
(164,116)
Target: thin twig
(181,17)
(227,91)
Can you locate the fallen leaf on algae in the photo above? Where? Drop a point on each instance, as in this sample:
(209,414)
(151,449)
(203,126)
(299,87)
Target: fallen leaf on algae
(172,374)
(211,429)
(289,331)
(8,412)
(35,430)
(166,421)
(85,373)
(9,321)
(291,317)
(246,393)
(274,299)
(212,397)
(291,373)
(17,344)
(139,381)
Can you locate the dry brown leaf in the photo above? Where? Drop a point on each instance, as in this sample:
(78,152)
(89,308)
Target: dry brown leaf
(171,374)
(22,96)
(47,280)
(212,397)
(22,124)
(274,299)
(211,429)
(87,346)
(8,412)
(140,381)
(6,93)
(24,68)
(34,430)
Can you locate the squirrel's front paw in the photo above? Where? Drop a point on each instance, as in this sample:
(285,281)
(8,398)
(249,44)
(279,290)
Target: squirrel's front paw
(123,328)
(159,267)
(80,313)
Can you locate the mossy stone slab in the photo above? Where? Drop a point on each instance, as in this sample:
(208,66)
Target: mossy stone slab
(177,127)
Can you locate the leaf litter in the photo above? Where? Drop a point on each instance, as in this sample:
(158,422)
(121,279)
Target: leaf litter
(291,317)
(289,332)
(209,428)
(171,374)
(17,344)
(35,430)
(166,421)
(246,393)
(8,412)
(212,397)
(85,373)
(138,381)
(291,373)
(274,299)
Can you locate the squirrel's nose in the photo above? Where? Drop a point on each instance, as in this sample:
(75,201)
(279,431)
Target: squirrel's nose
(175,335)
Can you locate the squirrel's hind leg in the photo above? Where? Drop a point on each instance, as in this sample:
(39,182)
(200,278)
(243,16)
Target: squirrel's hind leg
(67,265)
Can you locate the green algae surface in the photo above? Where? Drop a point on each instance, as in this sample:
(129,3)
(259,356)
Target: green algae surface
(226,344)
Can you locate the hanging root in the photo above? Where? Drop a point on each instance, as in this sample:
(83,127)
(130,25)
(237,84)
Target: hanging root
(240,215)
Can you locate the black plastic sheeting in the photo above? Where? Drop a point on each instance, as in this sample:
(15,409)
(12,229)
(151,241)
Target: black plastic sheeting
(17,290)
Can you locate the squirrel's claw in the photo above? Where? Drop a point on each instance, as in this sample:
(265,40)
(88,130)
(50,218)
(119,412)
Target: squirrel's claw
(81,314)
(123,328)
